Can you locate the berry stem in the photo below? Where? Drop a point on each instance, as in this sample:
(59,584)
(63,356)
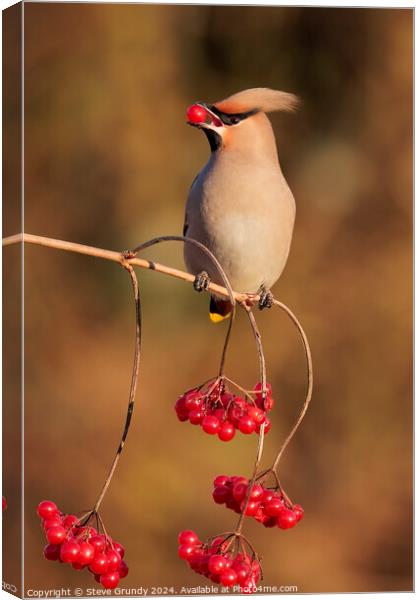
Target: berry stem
(310,377)
(179,238)
(251,483)
(133,385)
(247,393)
(263,379)
(261,358)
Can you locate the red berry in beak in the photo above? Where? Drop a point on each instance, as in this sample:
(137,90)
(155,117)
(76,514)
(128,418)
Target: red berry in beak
(196,114)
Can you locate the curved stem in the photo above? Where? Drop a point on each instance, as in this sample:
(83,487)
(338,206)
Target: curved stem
(261,357)
(310,378)
(133,386)
(263,378)
(239,526)
(216,263)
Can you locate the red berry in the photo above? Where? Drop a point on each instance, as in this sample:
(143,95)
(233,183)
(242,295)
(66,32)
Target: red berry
(216,543)
(256,414)
(274,507)
(228,578)
(188,537)
(56,534)
(110,580)
(196,416)
(221,494)
(257,492)
(99,564)
(52,522)
(196,114)
(69,551)
(268,404)
(251,507)
(241,572)
(233,505)
(298,510)
(123,569)
(239,491)
(186,551)
(271,522)
(248,586)
(260,515)
(193,399)
(52,552)
(78,566)
(217,564)
(258,390)
(114,560)
(86,553)
(267,496)
(246,425)
(221,480)
(70,520)
(47,509)
(3,503)
(180,409)
(267,427)
(226,398)
(286,519)
(227,431)
(119,548)
(98,543)
(210,424)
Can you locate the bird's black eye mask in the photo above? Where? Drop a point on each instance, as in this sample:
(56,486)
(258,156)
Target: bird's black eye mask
(230,118)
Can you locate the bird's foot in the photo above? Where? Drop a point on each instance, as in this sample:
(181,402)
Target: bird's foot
(202,282)
(266,299)
(127,254)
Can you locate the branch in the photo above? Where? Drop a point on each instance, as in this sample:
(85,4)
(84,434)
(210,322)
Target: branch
(117,257)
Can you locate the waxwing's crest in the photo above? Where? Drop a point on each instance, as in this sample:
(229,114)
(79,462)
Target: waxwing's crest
(260,99)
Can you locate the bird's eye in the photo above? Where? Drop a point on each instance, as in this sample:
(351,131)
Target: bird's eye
(235,120)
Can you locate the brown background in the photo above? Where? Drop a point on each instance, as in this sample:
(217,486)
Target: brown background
(108,162)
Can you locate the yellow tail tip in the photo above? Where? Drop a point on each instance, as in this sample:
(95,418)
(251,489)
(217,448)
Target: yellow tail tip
(216,318)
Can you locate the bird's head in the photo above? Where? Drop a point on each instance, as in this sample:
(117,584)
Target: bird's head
(240,120)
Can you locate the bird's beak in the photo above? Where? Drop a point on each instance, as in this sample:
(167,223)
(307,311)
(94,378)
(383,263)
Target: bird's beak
(212,121)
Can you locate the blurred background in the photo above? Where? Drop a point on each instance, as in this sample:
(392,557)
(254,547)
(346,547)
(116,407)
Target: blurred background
(108,162)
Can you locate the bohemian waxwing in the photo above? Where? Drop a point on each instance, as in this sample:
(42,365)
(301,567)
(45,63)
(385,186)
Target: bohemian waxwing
(240,206)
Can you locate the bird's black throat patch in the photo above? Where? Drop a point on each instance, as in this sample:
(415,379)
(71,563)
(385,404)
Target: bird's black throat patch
(215,140)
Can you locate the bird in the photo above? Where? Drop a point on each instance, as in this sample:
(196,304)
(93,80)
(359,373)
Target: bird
(240,206)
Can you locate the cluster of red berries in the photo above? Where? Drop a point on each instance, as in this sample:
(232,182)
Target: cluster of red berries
(215,561)
(220,412)
(81,546)
(265,505)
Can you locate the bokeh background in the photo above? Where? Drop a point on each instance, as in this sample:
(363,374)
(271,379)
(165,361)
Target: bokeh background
(108,162)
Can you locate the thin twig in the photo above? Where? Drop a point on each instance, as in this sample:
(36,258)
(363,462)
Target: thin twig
(133,386)
(116,257)
(310,377)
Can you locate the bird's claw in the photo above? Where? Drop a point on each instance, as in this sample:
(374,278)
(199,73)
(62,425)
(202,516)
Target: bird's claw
(201,282)
(266,299)
(127,254)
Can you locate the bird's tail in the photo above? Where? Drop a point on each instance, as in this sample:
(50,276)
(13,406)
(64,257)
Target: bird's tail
(219,309)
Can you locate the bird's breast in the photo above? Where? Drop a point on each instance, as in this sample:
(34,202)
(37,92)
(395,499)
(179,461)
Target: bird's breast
(246,219)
